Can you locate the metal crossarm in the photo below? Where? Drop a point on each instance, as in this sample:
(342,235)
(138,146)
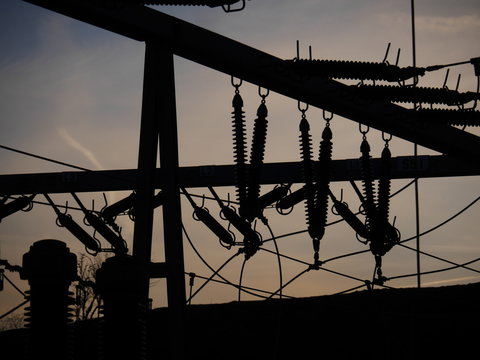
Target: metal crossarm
(231,57)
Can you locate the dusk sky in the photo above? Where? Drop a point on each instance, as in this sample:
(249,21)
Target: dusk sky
(72,92)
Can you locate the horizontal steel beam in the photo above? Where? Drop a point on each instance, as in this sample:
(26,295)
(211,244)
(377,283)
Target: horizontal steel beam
(403,167)
(234,58)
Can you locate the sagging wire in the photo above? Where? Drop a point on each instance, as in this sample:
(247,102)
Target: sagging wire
(440,259)
(241,278)
(213,275)
(13,268)
(278,255)
(443,222)
(244,288)
(226,281)
(62,163)
(435,271)
(279,260)
(290,281)
(15,308)
(368,283)
(298,193)
(413,237)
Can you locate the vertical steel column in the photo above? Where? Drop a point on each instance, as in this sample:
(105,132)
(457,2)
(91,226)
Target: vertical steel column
(159,133)
(147,161)
(172,216)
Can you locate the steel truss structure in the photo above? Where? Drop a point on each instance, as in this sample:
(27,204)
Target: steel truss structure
(166,36)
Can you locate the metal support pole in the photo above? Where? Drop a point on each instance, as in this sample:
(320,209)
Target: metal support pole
(415,150)
(172,216)
(147,162)
(159,132)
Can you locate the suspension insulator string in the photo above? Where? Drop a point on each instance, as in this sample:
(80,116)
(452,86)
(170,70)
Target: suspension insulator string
(202,214)
(384,194)
(118,244)
(322,185)
(342,209)
(252,239)
(285,205)
(239,147)
(65,220)
(368,186)
(256,159)
(390,233)
(274,196)
(309,188)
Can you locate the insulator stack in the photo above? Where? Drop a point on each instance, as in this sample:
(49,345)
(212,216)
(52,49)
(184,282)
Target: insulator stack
(124,322)
(223,235)
(201,214)
(355,70)
(273,196)
(50,268)
(158,200)
(251,240)
(118,243)
(112,211)
(77,231)
(292,199)
(406,94)
(343,210)
(323,181)
(380,241)
(15,205)
(368,186)
(256,161)
(384,187)
(307,168)
(239,150)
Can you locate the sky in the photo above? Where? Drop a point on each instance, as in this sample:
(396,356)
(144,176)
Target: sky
(72,92)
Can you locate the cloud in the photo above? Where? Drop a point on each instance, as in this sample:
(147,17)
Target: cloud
(449,281)
(447,24)
(438,24)
(79,147)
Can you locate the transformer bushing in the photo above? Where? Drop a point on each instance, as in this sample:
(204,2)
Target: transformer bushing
(123,327)
(49,267)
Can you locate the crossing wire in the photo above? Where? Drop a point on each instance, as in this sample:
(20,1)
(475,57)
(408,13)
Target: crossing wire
(273,238)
